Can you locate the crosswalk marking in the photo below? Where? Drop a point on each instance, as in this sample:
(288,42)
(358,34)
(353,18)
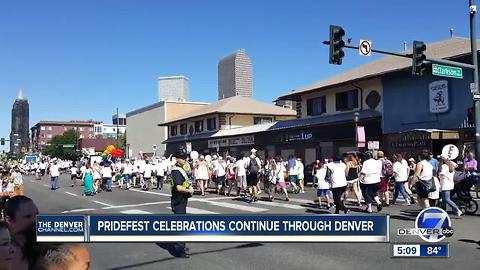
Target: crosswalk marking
(102,203)
(134,212)
(78,210)
(69,193)
(237,206)
(136,205)
(284,205)
(197,211)
(151,192)
(301,200)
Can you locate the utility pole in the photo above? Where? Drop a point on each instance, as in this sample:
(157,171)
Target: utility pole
(473,41)
(118,145)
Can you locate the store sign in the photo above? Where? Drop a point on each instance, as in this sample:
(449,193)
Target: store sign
(438,100)
(302,136)
(237,141)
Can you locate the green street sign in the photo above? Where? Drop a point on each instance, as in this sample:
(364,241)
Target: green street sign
(68,145)
(447,71)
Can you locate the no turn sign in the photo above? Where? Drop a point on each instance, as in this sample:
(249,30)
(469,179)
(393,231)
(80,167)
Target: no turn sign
(365,48)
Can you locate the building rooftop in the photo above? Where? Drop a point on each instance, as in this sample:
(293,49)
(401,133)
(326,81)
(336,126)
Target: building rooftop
(236,105)
(159,104)
(72,122)
(174,77)
(450,48)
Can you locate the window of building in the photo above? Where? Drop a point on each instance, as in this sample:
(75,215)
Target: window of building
(346,101)
(81,136)
(199,126)
(90,129)
(42,128)
(183,129)
(49,136)
(211,123)
(316,106)
(261,120)
(64,128)
(50,128)
(173,130)
(81,129)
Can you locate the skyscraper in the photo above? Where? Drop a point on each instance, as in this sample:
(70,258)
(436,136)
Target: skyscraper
(235,75)
(19,138)
(173,88)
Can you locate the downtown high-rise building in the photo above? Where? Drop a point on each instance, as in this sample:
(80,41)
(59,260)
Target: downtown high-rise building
(173,88)
(235,75)
(19,135)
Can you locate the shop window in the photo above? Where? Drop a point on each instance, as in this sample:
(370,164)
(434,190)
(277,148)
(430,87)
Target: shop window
(316,106)
(261,120)
(183,129)
(199,126)
(347,101)
(173,131)
(211,123)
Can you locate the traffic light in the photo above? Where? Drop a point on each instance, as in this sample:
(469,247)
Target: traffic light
(471,116)
(418,58)
(2,141)
(336,45)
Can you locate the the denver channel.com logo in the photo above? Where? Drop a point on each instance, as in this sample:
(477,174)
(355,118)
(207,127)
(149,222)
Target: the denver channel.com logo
(432,225)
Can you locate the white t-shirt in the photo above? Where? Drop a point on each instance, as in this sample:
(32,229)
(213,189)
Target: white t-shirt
(322,183)
(300,168)
(338,174)
(219,169)
(372,169)
(148,171)
(127,168)
(10,187)
(73,170)
(447,180)
(106,172)
(400,171)
(427,170)
(240,167)
(281,169)
(160,168)
(17,178)
(54,170)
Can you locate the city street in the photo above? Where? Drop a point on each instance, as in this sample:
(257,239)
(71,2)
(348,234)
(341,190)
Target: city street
(464,245)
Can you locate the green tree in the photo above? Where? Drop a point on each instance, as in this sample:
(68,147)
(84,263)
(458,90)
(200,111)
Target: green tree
(56,148)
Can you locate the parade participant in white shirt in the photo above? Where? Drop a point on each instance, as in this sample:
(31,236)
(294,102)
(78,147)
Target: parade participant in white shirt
(370,181)
(338,183)
(54,173)
(446,175)
(400,173)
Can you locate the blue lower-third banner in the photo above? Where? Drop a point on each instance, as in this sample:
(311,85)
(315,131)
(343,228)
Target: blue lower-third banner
(217,228)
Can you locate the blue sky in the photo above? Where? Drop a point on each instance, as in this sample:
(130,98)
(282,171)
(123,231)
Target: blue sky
(83,59)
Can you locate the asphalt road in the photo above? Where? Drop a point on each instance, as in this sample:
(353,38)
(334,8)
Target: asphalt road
(464,245)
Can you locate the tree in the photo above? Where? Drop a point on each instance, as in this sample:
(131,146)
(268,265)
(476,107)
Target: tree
(57,145)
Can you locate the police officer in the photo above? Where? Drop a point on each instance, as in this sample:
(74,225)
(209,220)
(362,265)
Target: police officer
(181,191)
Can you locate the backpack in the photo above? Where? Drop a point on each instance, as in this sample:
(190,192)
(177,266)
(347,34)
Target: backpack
(387,168)
(253,166)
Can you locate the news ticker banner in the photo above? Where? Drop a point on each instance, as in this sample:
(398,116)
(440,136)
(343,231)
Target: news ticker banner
(213,228)
(421,250)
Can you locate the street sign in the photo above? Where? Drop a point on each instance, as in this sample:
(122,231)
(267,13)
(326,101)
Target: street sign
(473,88)
(447,71)
(68,145)
(373,145)
(476,96)
(365,48)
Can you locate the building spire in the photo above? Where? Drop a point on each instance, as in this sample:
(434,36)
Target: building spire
(20,94)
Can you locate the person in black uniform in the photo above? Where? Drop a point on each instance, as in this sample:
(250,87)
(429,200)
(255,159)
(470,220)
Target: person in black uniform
(181,191)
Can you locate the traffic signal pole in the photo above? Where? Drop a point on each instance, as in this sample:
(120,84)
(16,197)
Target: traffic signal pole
(473,41)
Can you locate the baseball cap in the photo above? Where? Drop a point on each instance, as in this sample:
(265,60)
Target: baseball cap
(253,150)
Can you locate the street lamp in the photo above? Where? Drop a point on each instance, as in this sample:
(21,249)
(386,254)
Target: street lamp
(355,120)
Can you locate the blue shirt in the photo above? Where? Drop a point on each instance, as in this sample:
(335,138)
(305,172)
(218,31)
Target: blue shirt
(435,164)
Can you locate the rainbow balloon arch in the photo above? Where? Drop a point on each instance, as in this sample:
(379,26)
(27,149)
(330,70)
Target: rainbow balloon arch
(111,152)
